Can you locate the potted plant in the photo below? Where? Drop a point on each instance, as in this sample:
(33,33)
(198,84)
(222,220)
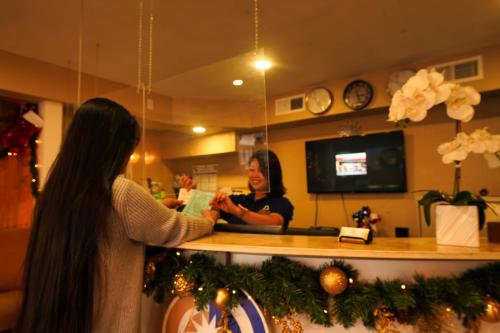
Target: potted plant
(411,103)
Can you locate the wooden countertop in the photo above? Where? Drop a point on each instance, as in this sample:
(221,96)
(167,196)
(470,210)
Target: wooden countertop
(321,246)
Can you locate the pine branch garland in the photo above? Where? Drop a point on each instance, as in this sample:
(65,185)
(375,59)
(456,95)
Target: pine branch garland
(283,287)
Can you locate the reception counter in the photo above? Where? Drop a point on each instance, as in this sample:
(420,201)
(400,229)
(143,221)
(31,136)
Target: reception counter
(385,258)
(330,247)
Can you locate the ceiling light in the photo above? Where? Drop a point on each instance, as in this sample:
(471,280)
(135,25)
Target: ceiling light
(237,82)
(263,64)
(199,129)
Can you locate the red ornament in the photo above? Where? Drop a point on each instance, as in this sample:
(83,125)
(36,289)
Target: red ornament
(16,138)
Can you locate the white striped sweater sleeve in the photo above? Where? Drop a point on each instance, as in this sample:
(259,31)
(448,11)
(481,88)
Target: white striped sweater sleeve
(148,221)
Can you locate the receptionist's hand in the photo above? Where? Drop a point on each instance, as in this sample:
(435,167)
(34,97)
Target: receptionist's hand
(223,201)
(187,182)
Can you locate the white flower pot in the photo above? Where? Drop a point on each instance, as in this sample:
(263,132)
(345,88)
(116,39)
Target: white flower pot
(457,225)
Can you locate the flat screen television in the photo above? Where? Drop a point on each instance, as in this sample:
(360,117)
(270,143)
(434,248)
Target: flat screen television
(357,164)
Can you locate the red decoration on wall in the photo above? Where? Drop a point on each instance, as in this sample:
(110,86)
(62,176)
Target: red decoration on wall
(16,138)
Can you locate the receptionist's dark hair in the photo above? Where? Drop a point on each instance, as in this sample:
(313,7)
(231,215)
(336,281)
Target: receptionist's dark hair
(268,160)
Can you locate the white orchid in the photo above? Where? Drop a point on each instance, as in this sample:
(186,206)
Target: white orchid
(493,159)
(420,93)
(460,101)
(427,89)
(480,142)
(484,142)
(456,150)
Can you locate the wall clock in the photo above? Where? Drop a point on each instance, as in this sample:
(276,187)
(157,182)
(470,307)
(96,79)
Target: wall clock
(358,94)
(319,100)
(398,79)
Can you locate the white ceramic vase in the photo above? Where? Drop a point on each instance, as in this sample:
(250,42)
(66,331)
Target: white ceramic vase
(457,225)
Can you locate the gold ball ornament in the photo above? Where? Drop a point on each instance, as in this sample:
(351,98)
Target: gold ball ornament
(181,286)
(333,280)
(492,314)
(222,298)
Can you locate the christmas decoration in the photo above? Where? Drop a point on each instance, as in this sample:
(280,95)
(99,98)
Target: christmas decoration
(492,314)
(289,324)
(333,280)
(222,298)
(365,218)
(223,325)
(21,135)
(285,288)
(16,138)
(181,286)
(385,320)
(440,319)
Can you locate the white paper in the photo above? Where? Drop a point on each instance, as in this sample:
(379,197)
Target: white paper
(184,195)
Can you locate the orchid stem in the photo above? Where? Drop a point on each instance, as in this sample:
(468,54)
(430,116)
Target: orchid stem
(458,165)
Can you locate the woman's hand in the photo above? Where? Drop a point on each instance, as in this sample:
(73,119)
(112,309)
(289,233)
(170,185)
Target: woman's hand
(172,202)
(212,215)
(187,183)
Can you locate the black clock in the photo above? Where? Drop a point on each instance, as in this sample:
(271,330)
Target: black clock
(358,94)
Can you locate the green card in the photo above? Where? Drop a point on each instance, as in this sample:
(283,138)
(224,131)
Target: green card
(198,201)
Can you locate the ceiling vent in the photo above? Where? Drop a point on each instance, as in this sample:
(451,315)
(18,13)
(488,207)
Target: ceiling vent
(463,70)
(288,105)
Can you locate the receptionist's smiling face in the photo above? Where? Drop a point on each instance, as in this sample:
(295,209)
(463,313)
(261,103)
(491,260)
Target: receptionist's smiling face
(256,177)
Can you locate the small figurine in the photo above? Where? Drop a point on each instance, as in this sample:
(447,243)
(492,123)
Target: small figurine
(366,219)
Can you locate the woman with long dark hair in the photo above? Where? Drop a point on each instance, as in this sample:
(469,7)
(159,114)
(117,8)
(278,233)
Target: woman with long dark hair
(265,205)
(84,265)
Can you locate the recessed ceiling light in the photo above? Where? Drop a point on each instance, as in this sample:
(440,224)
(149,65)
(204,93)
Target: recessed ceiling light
(237,82)
(199,129)
(263,64)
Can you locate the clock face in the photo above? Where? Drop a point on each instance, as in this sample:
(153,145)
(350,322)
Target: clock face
(398,79)
(319,100)
(358,94)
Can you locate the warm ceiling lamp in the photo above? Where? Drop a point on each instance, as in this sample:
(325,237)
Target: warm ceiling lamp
(237,82)
(199,129)
(263,64)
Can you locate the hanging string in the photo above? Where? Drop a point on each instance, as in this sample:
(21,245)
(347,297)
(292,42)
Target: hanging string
(256,25)
(150,54)
(80,56)
(96,75)
(139,48)
(143,136)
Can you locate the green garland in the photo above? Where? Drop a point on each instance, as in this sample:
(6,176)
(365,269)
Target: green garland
(35,176)
(282,286)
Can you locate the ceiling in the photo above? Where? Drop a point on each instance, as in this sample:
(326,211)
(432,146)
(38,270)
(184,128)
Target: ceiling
(310,42)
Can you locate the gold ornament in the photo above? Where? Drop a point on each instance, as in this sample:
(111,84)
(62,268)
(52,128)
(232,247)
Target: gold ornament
(181,286)
(296,325)
(149,270)
(492,314)
(333,280)
(222,298)
(223,325)
(384,320)
(442,319)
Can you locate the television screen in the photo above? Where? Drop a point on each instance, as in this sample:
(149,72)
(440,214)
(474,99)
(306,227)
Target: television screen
(368,163)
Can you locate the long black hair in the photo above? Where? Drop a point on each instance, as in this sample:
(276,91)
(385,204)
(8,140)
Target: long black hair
(269,161)
(69,221)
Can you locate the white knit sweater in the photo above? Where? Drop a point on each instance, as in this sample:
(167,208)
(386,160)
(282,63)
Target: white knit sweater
(137,220)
